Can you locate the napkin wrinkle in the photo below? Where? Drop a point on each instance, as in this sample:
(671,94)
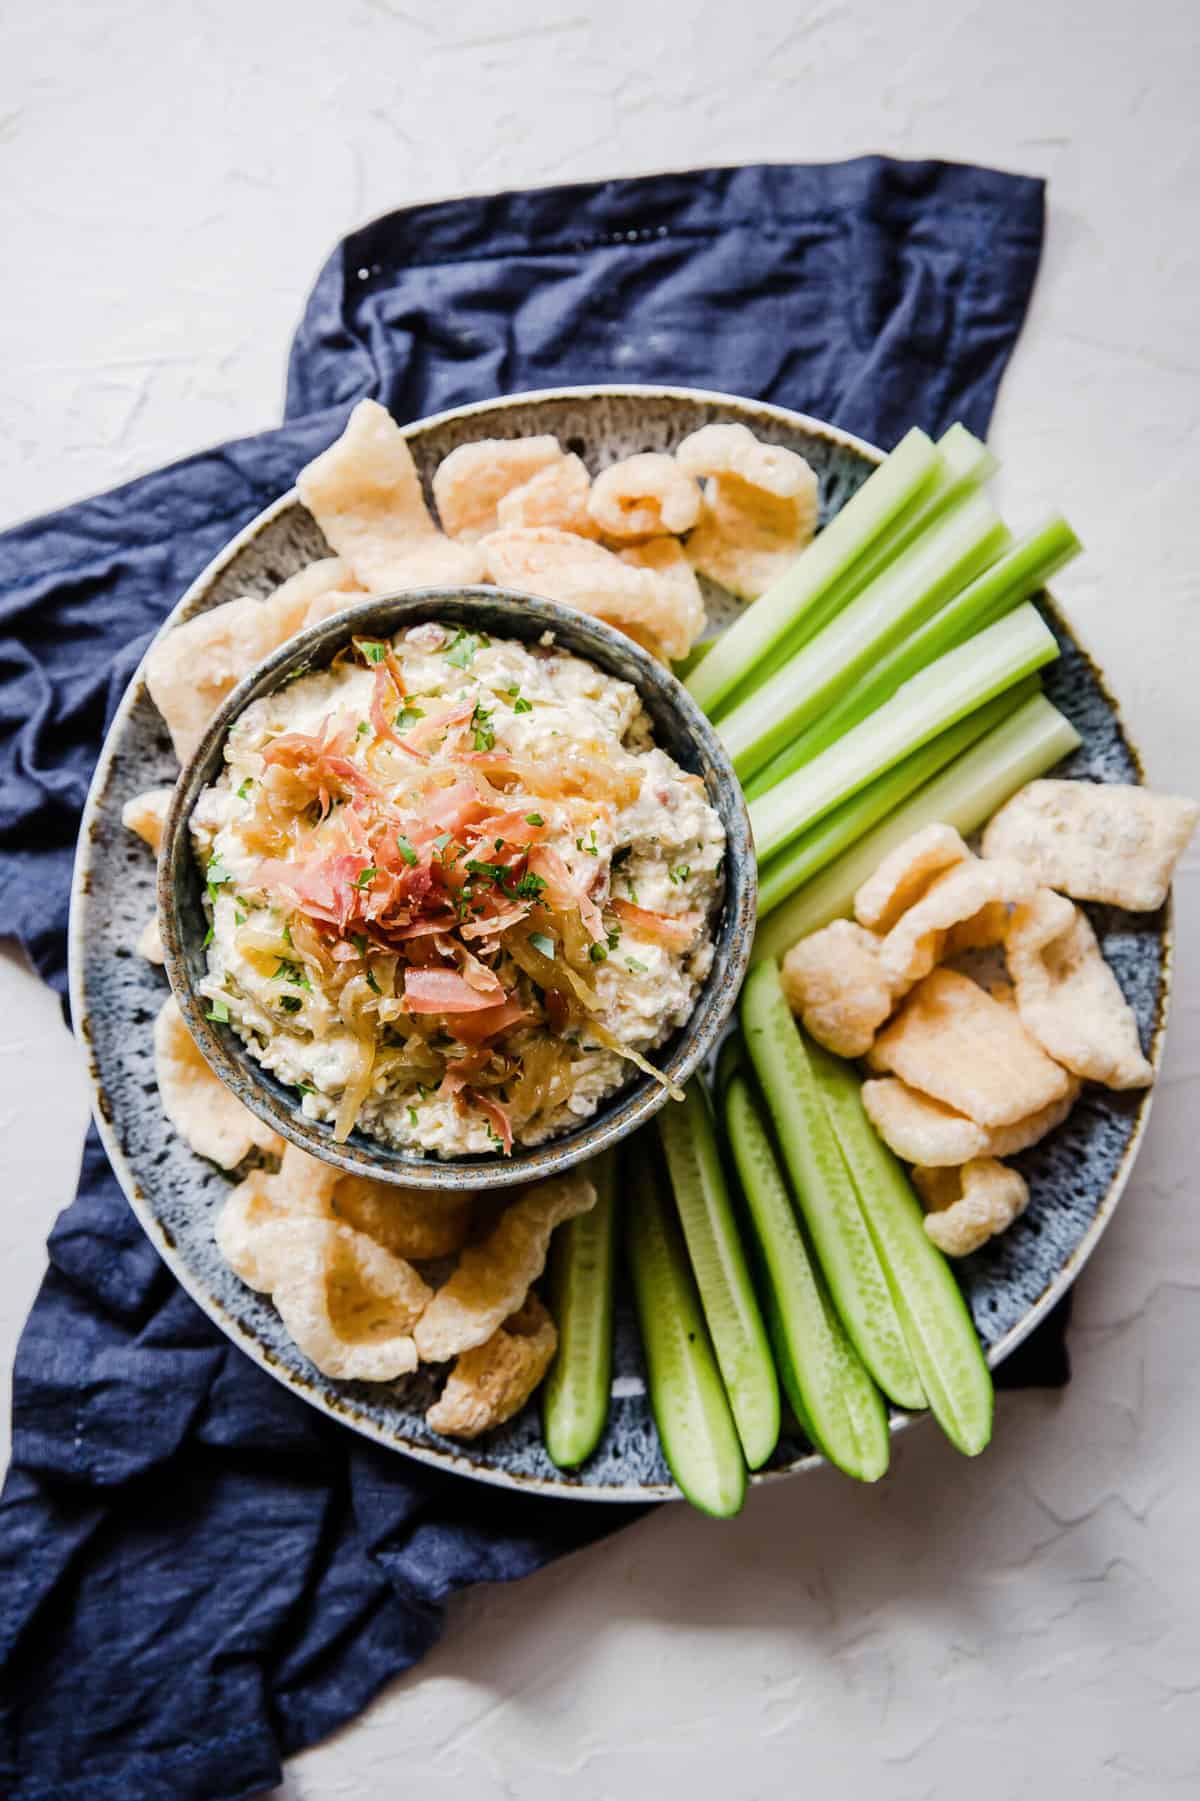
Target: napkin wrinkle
(199,1572)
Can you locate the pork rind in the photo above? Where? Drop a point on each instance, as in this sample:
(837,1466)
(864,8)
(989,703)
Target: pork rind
(1097,841)
(1069,998)
(494,1276)
(644,496)
(409,1222)
(314,592)
(954,899)
(149,942)
(746,539)
(733,451)
(348,1304)
(832,979)
(365,494)
(924,1131)
(556,496)
(951,1040)
(146,814)
(904,875)
(470,483)
(491,1383)
(191,669)
(560,566)
(208,1118)
(968,1206)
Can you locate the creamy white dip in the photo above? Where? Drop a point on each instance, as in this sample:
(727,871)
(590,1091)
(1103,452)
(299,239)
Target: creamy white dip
(540,734)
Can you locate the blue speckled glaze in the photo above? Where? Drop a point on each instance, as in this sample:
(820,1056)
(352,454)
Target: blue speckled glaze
(1076,1175)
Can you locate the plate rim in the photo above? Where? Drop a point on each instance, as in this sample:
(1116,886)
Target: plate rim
(343,1411)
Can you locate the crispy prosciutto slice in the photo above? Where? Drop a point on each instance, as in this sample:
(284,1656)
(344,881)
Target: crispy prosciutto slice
(495,1113)
(445,991)
(677,932)
(563,892)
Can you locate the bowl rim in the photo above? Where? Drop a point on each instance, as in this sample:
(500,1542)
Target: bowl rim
(637,1100)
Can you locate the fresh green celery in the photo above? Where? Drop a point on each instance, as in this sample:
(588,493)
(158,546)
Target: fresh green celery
(805,858)
(966,793)
(1022,571)
(965,465)
(946,691)
(575,1398)
(867,515)
(967,540)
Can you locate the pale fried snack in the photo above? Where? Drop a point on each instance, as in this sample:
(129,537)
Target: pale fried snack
(1069,998)
(557,496)
(313,593)
(954,899)
(667,559)
(348,1304)
(469,484)
(260,1201)
(191,669)
(733,451)
(955,1042)
(1096,841)
(562,567)
(146,814)
(904,875)
(969,1205)
(409,1222)
(644,496)
(149,942)
(924,1131)
(209,1119)
(745,538)
(833,980)
(493,1276)
(491,1383)
(365,494)
(983,931)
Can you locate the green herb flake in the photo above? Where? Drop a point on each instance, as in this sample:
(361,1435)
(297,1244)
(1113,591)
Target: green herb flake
(597,953)
(360,943)
(412,1116)
(614,937)
(294,973)
(530,887)
(406,851)
(208,938)
(220,1012)
(239,918)
(534,819)
(522,705)
(681,874)
(291,1003)
(441,841)
(366,876)
(484,736)
(542,941)
(245,787)
(287,936)
(372,649)
(363,728)
(592,849)
(637,968)
(461,653)
(305,1088)
(372,984)
(408,716)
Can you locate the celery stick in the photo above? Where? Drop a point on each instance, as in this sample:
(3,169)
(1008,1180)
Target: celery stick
(939,1329)
(965,465)
(810,853)
(947,690)
(1022,571)
(910,468)
(575,1396)
(964,795)
(826,1383)
(919,582)
(687,1397)
(718,1261)
(822,1186)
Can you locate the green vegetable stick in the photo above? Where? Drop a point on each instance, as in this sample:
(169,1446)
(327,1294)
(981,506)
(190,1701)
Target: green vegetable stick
(821,1183)
(816,848)
(1018,750)
(719,1266)
(830,1391)
(919,582)
(687,1397)
(934,1315)
(946,691)
(911,468)
(1017,575)
(575,1398)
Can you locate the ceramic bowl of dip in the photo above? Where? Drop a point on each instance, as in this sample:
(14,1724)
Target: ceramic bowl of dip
(679,729)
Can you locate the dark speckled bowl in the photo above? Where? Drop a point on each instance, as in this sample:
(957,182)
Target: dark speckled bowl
(680,729)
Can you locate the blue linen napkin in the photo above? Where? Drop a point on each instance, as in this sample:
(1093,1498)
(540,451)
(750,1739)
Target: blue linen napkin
(198,1573)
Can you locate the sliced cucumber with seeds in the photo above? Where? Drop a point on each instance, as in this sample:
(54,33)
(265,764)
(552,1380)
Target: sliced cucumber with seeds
(699,1439)
(824,1190)
(575,1398)
(939,1329)
(831,1393)
(722,1275)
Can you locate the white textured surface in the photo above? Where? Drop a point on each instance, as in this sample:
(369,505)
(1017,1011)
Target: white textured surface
(171,177)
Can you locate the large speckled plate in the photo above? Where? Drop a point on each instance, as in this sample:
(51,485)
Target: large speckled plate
(1076,1175)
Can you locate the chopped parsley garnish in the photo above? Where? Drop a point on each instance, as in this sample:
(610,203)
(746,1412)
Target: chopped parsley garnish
(592,849)
(412,1116)
(530,886)
(244,788)
(359,942)
(216,875)
(441,841)
(239,918)
(597,953)
(372,649)
(515,689)
(496,872)
(484,736)
(291,1003)
(542,941)
(366,876)
(461,653)
(681,874)
(406,851)
(408,716)
(632,890)
(208,938)
(294,973)
(614,937)
(638,968)
(372,984)
(534,819)
(363,728)
(305,1088)
(220,1012)
(287,936)
(522,705)
(498,844)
